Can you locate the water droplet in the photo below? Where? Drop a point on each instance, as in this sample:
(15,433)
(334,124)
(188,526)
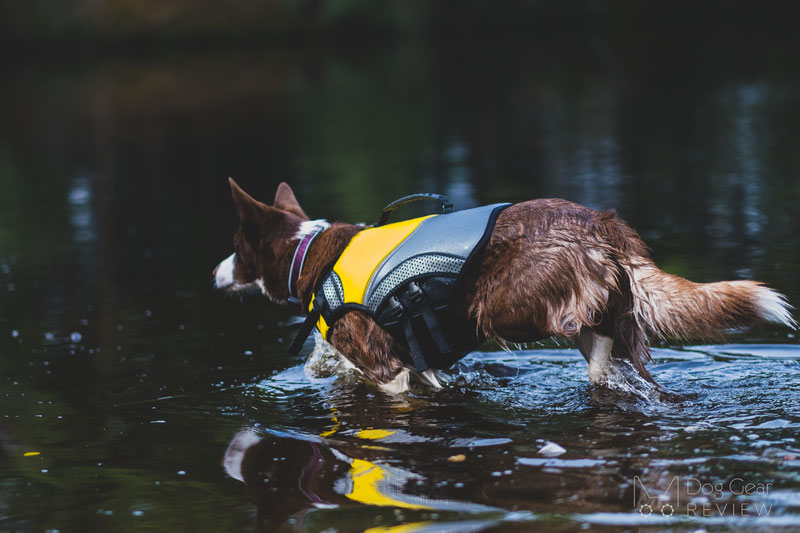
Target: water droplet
(551,449)
(48,336)
(44,471)
(181,472)
(248,352)
(137,513)
(14,333)
(148,312)
(75,337)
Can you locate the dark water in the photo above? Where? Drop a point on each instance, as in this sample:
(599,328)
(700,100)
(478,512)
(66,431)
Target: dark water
(124,377)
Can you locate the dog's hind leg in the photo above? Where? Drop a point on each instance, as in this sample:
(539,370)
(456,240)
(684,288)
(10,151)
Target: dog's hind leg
(596,349)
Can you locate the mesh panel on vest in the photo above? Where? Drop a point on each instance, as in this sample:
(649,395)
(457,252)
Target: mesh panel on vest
(430,264)
(333,291)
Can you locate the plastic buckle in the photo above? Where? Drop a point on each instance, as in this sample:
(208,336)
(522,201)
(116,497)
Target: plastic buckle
(415,293)
(395,308)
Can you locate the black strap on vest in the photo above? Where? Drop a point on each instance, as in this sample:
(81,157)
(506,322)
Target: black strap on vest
(419,304)
(400,314)
(418,296)
(413,346)
(308,325)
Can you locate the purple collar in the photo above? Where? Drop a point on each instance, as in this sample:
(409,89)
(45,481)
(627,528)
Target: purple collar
(299,260)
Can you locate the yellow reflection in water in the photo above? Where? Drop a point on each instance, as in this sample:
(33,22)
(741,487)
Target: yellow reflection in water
(336,423)
(374,434)
(402,528)
(366,477)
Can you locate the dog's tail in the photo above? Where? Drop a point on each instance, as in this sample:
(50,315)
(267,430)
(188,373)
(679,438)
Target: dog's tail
(652,303)
(670,306)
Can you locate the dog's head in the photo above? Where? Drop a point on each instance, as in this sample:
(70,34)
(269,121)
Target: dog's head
(262,244)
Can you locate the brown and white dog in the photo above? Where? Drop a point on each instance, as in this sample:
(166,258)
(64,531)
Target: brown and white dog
(550,268)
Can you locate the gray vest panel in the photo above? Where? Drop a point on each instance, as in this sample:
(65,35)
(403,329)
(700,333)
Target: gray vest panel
(440,244)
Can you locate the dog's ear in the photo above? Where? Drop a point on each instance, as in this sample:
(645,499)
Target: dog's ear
(284,199)
(250,209)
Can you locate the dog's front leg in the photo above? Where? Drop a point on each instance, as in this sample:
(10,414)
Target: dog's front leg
(371,349)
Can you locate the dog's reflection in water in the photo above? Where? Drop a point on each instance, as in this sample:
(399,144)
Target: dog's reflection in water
(283,475)
(288,475)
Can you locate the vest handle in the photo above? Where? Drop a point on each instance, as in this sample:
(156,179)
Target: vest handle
(447,205)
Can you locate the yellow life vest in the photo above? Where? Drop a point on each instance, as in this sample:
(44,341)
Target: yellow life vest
(403,275)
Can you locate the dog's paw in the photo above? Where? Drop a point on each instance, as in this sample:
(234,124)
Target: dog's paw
(621,377)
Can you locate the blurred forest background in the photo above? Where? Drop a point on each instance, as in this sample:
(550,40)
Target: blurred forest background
(39,23)
(682,115)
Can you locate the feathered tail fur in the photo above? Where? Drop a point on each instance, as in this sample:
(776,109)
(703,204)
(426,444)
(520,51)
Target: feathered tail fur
(670,306)
(667,306)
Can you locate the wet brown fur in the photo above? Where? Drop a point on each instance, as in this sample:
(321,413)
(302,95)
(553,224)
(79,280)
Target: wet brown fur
(551,267)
